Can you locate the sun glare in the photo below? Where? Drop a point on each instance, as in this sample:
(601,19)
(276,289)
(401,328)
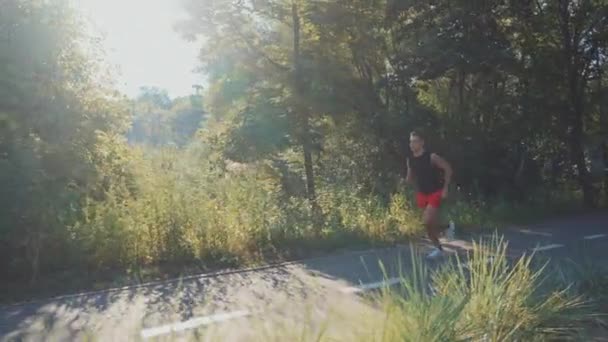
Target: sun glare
(141,42)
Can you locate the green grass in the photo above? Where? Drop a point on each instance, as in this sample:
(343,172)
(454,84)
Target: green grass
(474,299)
(178,219)
(165,233)
(476,214)
(588,278)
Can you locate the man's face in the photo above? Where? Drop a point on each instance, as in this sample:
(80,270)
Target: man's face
(416,144)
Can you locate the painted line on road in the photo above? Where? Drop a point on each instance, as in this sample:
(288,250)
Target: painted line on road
(210,275)
(193,323)
(547,247)
(593,237)
(371,286)
(532,232)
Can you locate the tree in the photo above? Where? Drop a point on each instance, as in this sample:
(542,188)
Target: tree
(55,110)
(160,121)
(155,97)
(265,45)
(573,33)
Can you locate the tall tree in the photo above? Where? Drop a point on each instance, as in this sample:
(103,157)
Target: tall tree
(58,116)
(573,30)
(266,46)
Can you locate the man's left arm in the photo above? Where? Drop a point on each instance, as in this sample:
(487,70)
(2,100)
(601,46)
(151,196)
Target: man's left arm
(447,172)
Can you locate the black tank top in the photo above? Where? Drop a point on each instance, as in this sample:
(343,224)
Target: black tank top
(427,176)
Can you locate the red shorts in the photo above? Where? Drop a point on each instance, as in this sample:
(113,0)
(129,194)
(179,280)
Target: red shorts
(429,200)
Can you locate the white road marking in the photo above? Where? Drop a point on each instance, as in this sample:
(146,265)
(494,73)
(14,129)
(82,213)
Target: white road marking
(192,323)
(592,237)
(547,247)
(371,286)
(466,245)
(531,232)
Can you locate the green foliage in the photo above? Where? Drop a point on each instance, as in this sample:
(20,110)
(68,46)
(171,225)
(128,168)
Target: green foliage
(483,297)
(369,216)
(231,216)
(55,110)
(486,80)
(475,213)
(160,121)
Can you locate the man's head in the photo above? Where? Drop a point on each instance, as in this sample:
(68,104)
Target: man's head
(416,141)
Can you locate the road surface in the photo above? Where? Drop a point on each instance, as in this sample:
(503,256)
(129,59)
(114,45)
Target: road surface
(263,304)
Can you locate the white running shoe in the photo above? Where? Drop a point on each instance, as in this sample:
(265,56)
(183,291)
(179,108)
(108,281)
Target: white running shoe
(450,233)
(435,253)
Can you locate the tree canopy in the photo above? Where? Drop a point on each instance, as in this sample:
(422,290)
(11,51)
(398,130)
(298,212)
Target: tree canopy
(512,92)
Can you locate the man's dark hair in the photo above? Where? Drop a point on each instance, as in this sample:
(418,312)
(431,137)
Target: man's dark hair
(418,134)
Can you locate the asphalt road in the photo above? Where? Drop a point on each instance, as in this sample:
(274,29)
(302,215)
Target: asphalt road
(271,303)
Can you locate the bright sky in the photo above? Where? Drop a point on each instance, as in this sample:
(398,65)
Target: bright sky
(141,42)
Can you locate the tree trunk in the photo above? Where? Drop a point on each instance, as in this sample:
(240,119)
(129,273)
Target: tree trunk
(603,120)
(310,182)
(575,115)
(577,153)
(578,158)
(461,84)
(303,112)
(605,157)
(33,254)
(605,160)
(576,131)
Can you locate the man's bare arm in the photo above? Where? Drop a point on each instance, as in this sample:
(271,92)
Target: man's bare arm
(447,170)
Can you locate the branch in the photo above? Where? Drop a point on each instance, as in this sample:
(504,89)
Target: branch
(542,14)
(600,16)
(255,49)
(540,7)
(562,17)
(588,58)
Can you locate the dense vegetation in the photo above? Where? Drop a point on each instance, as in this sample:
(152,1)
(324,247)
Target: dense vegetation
(300,139)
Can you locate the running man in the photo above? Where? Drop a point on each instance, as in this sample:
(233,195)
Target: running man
(423,169)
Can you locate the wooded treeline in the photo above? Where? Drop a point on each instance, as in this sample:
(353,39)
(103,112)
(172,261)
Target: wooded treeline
(513,92)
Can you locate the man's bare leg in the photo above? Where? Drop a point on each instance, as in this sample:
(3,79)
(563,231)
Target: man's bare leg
(430,219)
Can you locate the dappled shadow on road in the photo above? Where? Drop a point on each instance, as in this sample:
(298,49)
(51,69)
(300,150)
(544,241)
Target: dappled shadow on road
(72,318)
(120,315)
(116,314)
(373,266)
